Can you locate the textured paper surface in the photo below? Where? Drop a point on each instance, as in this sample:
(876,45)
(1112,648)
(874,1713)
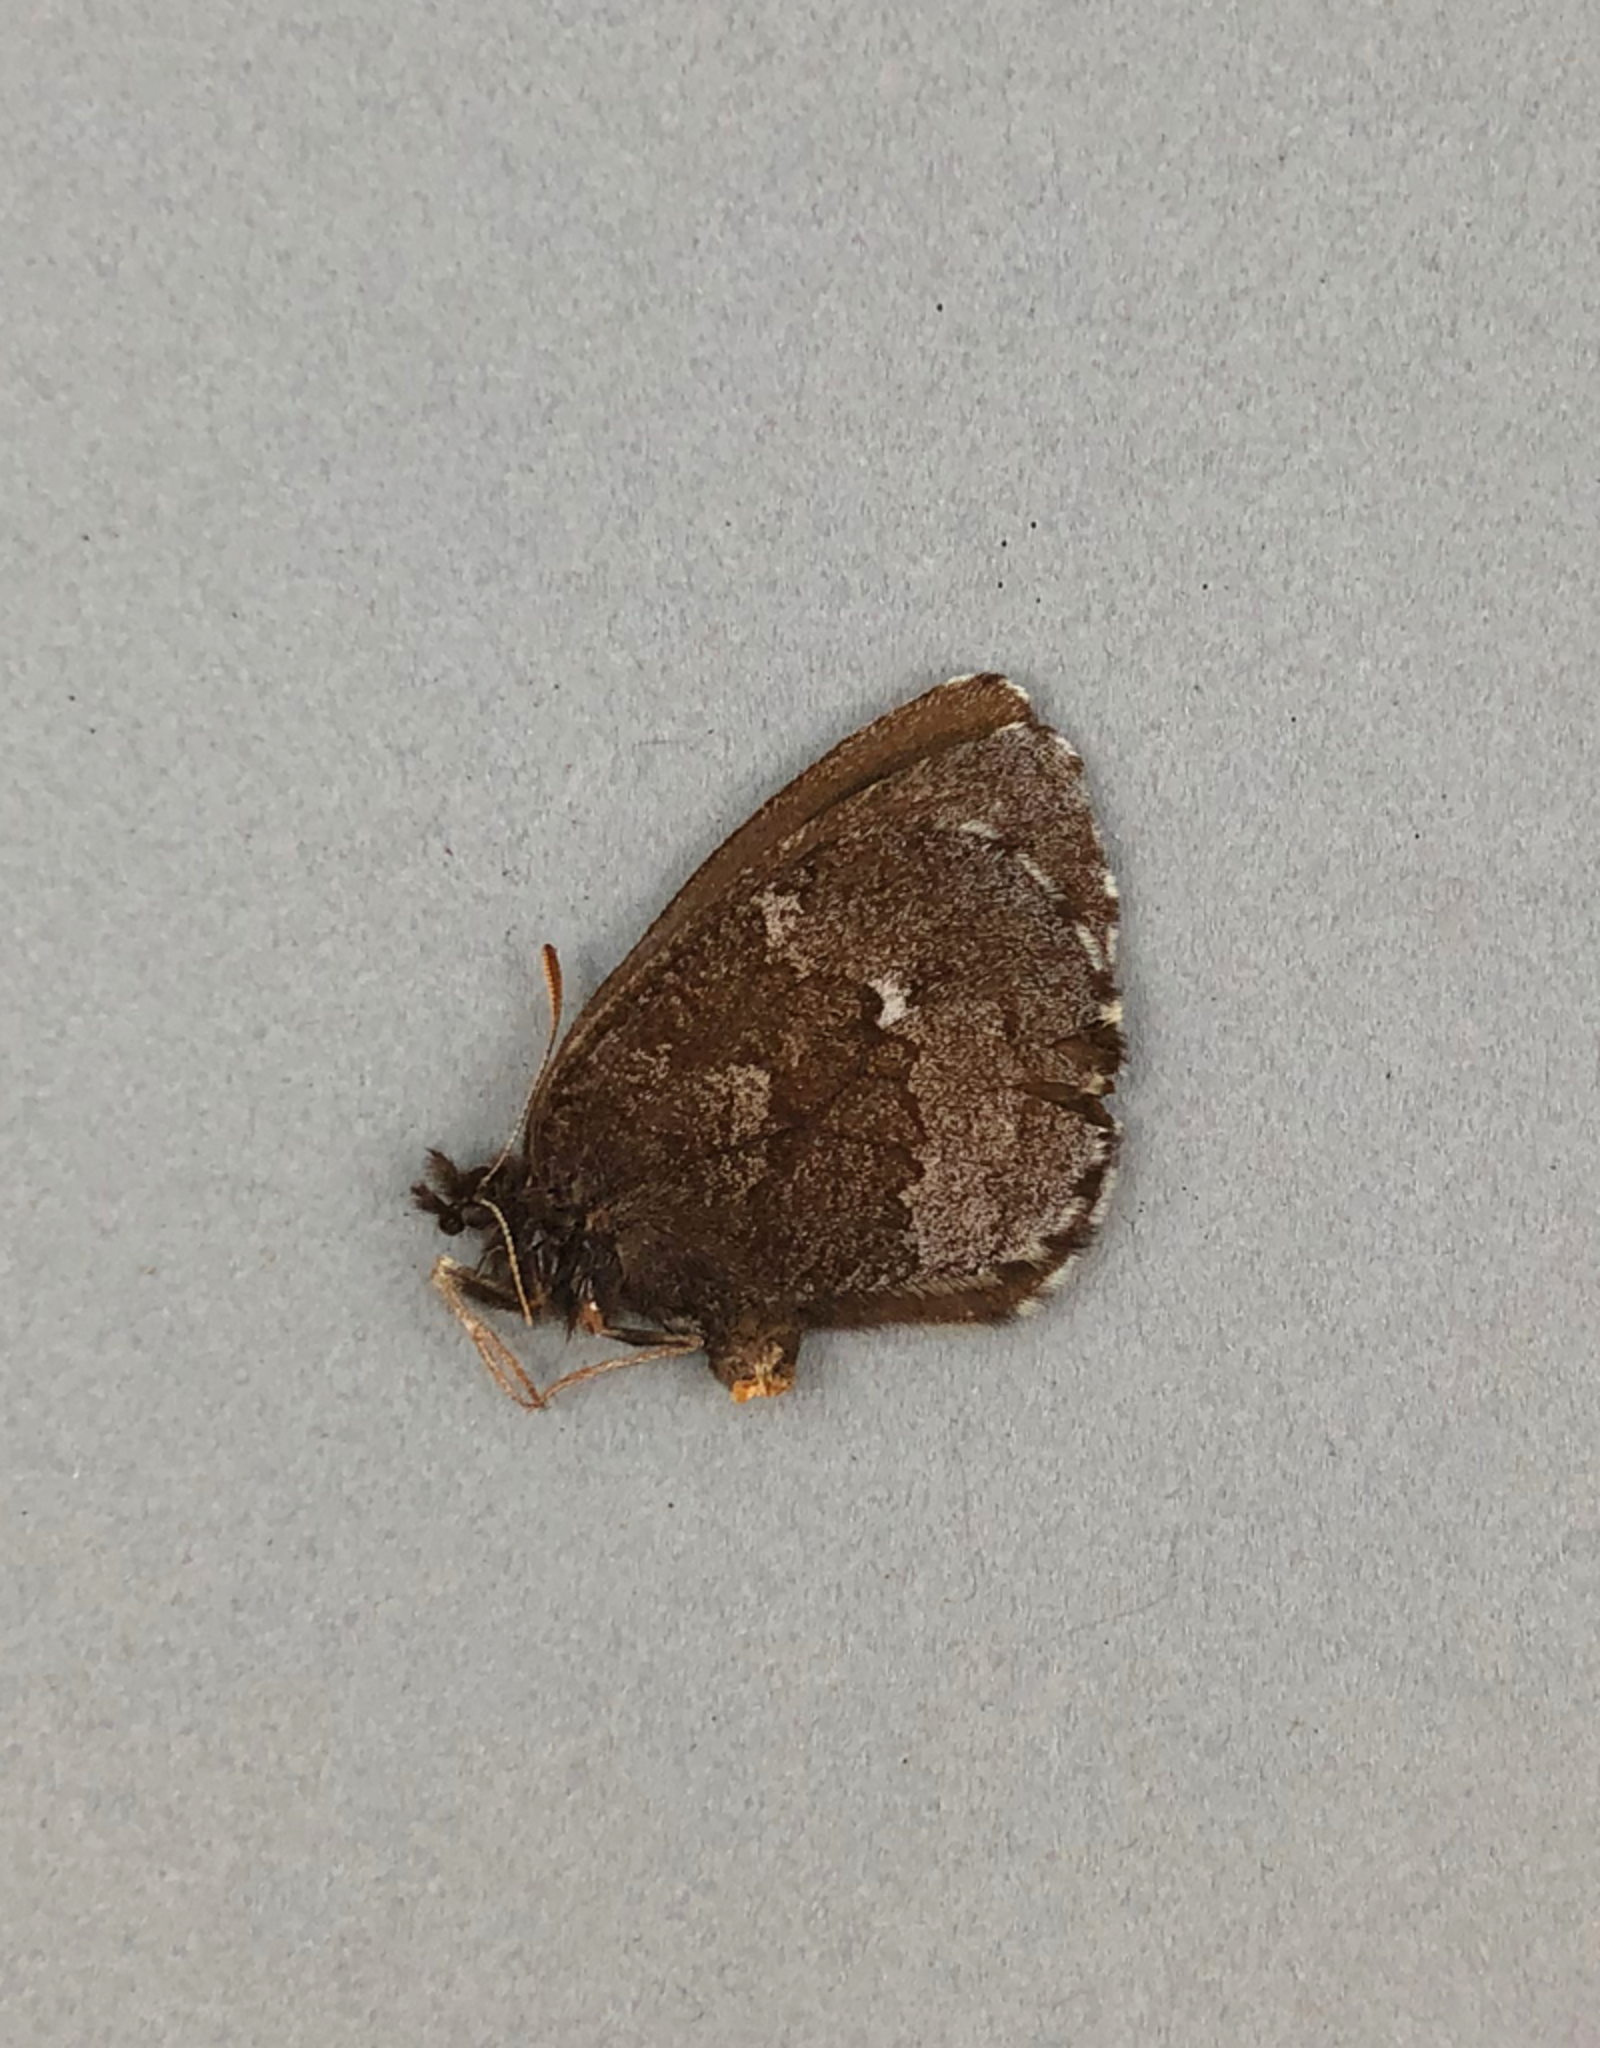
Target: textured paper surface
(457,466)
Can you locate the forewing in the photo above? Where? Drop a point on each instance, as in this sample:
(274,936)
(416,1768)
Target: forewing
(965,708)
(864,1078)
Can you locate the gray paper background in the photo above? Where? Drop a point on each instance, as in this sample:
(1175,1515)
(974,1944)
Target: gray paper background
(456,463)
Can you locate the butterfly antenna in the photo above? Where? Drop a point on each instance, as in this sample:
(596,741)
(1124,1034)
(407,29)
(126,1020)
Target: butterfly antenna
(550,961)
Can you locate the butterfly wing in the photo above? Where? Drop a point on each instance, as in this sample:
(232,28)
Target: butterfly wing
(856,1070)
(965,708)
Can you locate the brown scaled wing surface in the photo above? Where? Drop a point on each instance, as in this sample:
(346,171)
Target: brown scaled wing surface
(854,1071)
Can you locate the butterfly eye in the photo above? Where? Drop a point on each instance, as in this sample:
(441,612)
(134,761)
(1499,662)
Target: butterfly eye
(451,1222)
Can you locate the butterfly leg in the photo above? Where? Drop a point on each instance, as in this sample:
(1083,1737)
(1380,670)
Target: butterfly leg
(754,1359)
(459,1284)
(456,1283)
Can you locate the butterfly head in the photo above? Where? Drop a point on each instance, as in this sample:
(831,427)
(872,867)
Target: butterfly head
(458,1199)
(501,1203)
(538,1253)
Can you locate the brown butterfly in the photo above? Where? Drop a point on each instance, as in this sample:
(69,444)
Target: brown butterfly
(853,1074)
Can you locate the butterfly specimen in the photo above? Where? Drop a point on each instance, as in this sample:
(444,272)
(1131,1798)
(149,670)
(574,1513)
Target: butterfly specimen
(855,1072)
